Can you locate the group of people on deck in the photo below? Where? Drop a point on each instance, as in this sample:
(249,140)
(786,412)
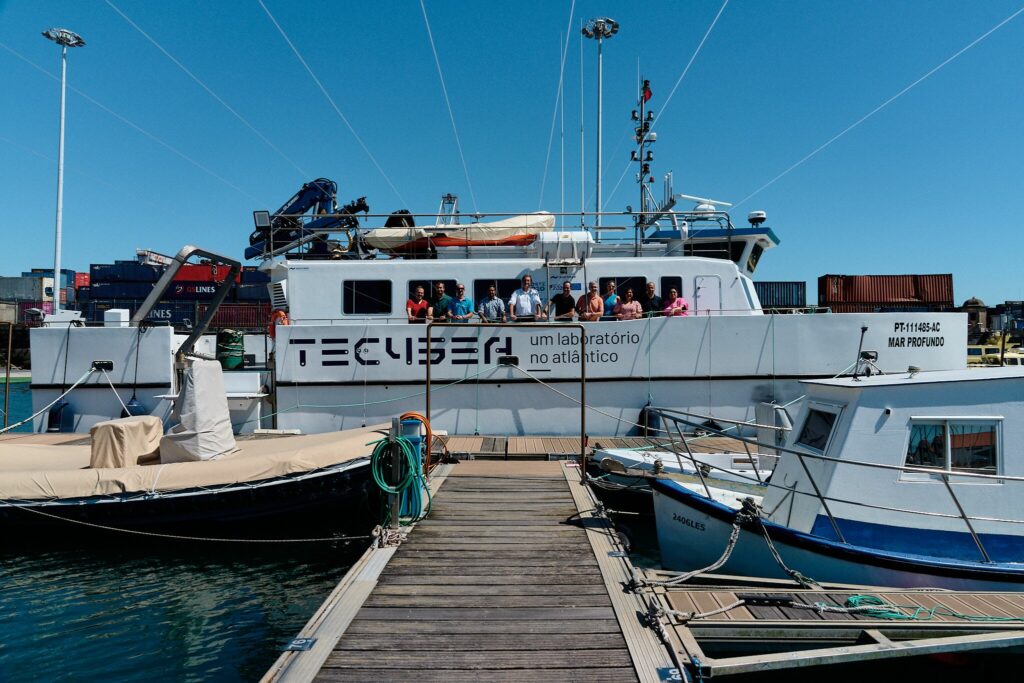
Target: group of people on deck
(526,306)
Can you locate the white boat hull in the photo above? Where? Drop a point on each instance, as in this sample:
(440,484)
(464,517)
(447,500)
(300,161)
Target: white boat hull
(693,534)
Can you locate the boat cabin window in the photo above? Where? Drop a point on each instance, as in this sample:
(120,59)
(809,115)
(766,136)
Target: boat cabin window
(973,351)
(755,256)
(1010,361)
(505,288)
(637,283)
(954,445)
(817,429)
(716,249)
(366,297)
(670,282)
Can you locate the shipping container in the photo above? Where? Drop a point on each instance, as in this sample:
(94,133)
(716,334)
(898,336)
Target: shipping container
(782,294)
(81,280)
(120,290)
(252,293)
(124,271)
(25,306)
(251,275)
(67,276)
(251,317)
(27,288)
(8,313)
(924,289)
(191,272)
(199,291)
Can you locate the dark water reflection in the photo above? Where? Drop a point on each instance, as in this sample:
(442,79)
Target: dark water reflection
(177,612)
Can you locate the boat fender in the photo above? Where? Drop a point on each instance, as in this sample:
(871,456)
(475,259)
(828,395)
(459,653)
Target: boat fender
(277,317)
(649,422)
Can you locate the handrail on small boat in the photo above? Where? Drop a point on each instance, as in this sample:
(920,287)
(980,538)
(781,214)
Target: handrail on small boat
(675,417)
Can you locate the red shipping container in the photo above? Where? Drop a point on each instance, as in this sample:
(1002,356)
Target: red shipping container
(191,272)
(927,289)
(241,316)
(81,280)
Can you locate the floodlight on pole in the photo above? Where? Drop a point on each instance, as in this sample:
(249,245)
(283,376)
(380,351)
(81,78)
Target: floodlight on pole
(65,39)
(599,29)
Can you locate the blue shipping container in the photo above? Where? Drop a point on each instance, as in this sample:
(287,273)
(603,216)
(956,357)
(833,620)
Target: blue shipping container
(119,290)
(782,294)
(252,293)
(196,291)
(251,276)
(124,272)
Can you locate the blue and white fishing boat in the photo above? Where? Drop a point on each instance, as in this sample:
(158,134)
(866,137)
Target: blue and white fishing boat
(910,480)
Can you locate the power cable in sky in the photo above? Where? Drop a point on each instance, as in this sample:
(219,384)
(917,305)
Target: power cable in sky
(686,70)
(212,94)
(330,99)
(136,127)
(558,99)
(880,107)
(451,114)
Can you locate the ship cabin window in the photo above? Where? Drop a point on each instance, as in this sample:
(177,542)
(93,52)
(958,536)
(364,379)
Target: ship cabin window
(635,282)
(817,429)
(716,249)
(428,287)
(504,288)
(1010,361)
(991,349)
(670,282)
(755,256)
(366,297)
(968,445)
(973,351)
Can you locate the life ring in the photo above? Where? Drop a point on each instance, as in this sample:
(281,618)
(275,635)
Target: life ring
(277,317)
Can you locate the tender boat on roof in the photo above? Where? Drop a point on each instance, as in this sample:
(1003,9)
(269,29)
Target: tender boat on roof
(913,479)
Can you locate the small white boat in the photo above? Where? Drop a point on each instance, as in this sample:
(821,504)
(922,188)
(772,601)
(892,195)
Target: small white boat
(909,480)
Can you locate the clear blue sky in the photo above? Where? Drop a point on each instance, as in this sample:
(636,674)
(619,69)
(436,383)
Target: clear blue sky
(931,183)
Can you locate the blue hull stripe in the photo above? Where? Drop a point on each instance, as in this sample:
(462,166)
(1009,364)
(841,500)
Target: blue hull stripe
(955,545)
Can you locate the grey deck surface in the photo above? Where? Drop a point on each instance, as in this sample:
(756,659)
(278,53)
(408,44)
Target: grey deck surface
(496,584)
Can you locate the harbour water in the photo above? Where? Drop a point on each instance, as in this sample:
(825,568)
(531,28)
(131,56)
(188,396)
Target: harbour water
(182,611)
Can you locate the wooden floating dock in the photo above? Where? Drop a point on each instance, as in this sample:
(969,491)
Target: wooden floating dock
(510,578)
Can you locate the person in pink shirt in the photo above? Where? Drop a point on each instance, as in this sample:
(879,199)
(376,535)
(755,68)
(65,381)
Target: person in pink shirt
(628,308)
(675,305)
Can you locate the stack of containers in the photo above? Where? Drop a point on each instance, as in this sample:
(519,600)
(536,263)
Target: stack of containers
(126,284)
(886,293)
(67,281)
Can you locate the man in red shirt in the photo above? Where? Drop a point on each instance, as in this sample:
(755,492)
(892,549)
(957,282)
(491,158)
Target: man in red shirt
(416,307)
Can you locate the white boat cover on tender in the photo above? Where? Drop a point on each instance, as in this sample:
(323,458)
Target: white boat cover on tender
(47,471)
(516,226)
(204,430)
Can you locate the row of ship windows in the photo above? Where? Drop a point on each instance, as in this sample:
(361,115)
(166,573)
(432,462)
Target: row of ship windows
(374,297)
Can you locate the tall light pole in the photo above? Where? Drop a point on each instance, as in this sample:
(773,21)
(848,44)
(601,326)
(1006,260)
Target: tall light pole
(599,29)
(65,39)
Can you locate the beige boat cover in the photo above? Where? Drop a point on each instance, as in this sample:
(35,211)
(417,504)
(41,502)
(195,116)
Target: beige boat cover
(119,443)
(203,429)
(516,226)
(47,471)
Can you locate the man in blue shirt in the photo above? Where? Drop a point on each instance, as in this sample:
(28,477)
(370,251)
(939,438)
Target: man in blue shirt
(460,307)
(492,309)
